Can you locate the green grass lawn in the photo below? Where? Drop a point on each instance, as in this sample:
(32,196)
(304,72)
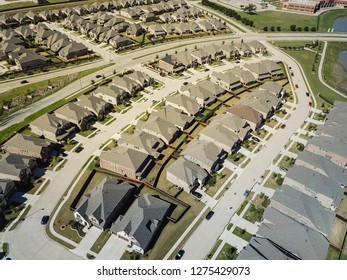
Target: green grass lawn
(242,233)
(228,252)
(332,254)
(296,148)
(323,94)
(271,123)
(253,214)
(271,182)
(287,162)
(326,19)
(333,72)
(243,205)
(249,144)
(244,164)
(214,249)
(17,5)
(261,133)
(236,158)
(101,241)
(221,179)
(281,19)
(86,133)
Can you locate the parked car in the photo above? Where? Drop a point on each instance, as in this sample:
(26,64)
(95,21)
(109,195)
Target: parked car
(206,70)
(307,94)
(283,168)
(179,255)
(310,103)
(185,83)
(256,139)
(296,86)
(24,82)
(326,111)
(209,215)
(246,193)
(197,194)
(98,76)
(79,149)
(283,126)
(44,220)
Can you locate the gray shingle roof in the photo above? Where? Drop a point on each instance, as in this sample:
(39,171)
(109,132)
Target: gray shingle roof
(187,171)
(143,219)
(103,200)
(11,165)
(260,248)
(298,239)
(317,183)
(174,116)
(306,206)
(189,104)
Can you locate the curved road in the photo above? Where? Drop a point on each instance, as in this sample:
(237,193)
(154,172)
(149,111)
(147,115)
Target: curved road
(29,241)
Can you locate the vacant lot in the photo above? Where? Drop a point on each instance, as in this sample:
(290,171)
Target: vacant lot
(333,71)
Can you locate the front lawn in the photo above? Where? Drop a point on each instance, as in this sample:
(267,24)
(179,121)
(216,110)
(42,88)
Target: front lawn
(214,249)
(297,147)
(249,144)
(253,214)
(242,233)
(287,162)
(261,132)
(236,158)
(274,182)
(243,205)
(271,123)
(228,252)
(221,178)
(101,241)
(87,132)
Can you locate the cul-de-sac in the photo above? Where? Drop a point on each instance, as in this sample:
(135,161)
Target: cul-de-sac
(173,130)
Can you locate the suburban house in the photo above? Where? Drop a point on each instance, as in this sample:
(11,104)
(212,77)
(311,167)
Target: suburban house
(104,204)
(322,165)
(221,136)
(186,59)
(141,78)
(16,167)
(273,68)
(205,154)
(251,116)
(135,29)
(234,123)
(325,189)
(184,103)
(31,60)
(302,241)
(228,50)
(108,35)
(330,147)
(96,105)
(95,33)
(120,42)
(215,52)
(127,84)
(303,208)
(148,17)
(127,162)
(186,175)
(259,104)
(7,188)
(242,48)
(259,70)
(257,47)
(261,248)
(143,142)
(202,95)
(59,44)
(156,30)
(141,224)
(170,64)
(160,128)
(51,127)
(174,116)
(226,80)
(246,77)
(73,50)
(268,98)
(111,94)
(75,114)
(201,56)
(274,88)
(28,146)
(206,25)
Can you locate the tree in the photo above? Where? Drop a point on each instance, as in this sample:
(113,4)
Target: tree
(293,27)
(278,28)
(313,29)
(272,28)
(212,180)
(306,28)
(266,29)
(299,29)
(250,9)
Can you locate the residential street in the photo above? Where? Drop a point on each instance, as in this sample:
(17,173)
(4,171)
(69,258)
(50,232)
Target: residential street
(29,240)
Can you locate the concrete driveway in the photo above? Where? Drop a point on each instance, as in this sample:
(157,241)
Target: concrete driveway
(113,249)
(87,242)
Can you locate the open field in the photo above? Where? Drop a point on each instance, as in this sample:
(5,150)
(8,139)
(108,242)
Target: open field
(333,71)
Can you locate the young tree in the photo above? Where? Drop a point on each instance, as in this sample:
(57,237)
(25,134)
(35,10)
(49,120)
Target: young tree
(266,29)
(293,27)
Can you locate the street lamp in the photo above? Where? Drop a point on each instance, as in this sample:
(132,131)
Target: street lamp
(23,219)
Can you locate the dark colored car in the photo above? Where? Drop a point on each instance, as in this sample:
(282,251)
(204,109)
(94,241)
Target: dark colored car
(98,76)
(326,111)
(256,139)
(79,149)
(283,168)
(197,194)
(310,103)
(24,82)
(296,86)
(283,126)
(185,83)
(209,215)
(44,220)
(307,94)
(179,255)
